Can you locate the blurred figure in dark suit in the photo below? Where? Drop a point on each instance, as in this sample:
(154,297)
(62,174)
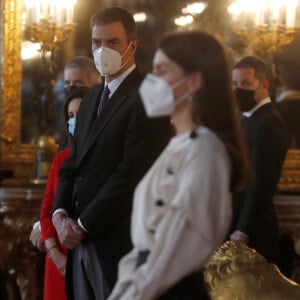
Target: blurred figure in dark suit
(288,101)
(255,221)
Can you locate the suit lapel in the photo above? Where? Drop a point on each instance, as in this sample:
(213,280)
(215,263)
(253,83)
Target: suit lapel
(100,123)
(88,122)
(120,96)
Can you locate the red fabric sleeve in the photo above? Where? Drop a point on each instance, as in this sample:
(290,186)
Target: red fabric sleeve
(47,227)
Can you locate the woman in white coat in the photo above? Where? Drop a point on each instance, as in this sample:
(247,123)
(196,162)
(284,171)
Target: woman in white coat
(182,206)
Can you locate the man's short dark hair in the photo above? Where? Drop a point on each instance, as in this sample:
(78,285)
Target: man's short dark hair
(116,14)
(260,68)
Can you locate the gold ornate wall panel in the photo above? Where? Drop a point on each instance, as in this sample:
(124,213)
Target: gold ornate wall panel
(12,152)
(18,207)
(1,54)
(290,176)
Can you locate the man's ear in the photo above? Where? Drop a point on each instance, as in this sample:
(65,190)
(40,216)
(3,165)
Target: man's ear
(133,46)
(195,81)
(265,84)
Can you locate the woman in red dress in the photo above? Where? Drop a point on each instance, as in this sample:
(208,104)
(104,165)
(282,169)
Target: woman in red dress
(55,261)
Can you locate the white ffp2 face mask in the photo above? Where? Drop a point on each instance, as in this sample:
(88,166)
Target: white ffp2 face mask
(109,61)
(158,97)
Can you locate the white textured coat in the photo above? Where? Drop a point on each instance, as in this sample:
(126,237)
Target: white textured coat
(182,213)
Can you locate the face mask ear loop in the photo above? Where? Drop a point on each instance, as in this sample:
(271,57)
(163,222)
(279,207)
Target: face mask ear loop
(122,65)
(182,98)
(178,83)
(185,95)
(126,50)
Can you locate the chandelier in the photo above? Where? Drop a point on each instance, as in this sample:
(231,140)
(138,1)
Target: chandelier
(48,22)
(264,26)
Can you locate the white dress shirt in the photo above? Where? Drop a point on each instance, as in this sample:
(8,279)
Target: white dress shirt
(249,113)
(181,214)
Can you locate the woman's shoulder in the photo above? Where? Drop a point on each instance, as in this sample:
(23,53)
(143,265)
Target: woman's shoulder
(207,138)
(62,155)
(199,142)
(205,145)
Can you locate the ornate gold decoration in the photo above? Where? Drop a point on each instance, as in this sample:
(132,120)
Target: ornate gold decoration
(11,69)
(48,34)
(44,156)
(290,176)
(264,42)
(48,23)
(239,272)
(287,207)
(18,208)
(12,152)
(263,26)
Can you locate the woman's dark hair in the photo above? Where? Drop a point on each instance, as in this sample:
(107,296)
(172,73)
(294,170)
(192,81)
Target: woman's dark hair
(116,14)
(76,93)
(213,103)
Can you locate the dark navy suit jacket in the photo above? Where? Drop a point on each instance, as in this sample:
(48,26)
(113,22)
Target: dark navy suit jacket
(110,155)
(254,212)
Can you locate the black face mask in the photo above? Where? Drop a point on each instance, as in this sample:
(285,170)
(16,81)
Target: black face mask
(245,99)
(74,88)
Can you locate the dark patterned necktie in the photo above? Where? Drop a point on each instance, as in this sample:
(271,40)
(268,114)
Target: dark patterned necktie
(104,99)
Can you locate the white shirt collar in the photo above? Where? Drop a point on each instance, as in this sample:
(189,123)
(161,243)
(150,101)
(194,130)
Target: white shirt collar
(115,83)
(290,94)
(249,113)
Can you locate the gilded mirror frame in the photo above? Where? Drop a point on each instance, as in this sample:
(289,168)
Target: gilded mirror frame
(13,153)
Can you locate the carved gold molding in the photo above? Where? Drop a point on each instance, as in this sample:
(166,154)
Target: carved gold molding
(290,175)
(11,149)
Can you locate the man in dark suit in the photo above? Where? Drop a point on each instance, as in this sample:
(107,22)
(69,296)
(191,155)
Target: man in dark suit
(114,145)
(255,220)
(80,73)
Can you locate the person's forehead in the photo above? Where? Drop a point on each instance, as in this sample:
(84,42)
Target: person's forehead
(162,60)
(160,57)
(108,31)
(240,73)
(75,73)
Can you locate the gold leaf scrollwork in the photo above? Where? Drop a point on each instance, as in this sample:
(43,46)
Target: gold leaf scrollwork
(12,152)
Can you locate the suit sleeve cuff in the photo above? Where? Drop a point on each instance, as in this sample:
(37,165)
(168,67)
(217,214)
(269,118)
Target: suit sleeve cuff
(81,226)
(36,225)
(60,210)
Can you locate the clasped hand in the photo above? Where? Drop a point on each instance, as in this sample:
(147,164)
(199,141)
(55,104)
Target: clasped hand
(36,239)
(69,232)
(239,237)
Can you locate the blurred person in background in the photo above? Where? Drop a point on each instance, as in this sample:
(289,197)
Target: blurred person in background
(80,74)
(55,261)
(255,222)
(288,101)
